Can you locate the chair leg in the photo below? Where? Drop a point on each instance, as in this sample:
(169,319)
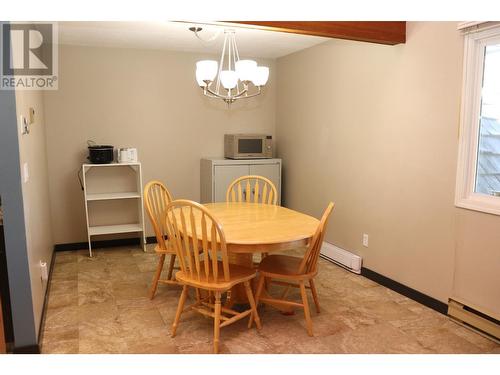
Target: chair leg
(154,284)
(254,313)
(180,307)
(307,313)
(171,267)
(267,285)
(314,294)
(229,300)
(260,286)
(217,322)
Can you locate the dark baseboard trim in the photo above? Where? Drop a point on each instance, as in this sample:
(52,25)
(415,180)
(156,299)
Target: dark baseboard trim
(102,244)
(36,349)
(30,349)
(46,299)
(151,239)
(406,291)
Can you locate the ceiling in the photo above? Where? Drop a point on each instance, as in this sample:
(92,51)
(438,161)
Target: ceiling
(176,36)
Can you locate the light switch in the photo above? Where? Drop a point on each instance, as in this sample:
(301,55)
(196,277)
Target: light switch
(24,125)
(26,173)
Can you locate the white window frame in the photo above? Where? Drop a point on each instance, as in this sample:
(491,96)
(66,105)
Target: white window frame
(465,197)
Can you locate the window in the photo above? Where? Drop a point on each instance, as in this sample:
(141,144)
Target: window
(478,172)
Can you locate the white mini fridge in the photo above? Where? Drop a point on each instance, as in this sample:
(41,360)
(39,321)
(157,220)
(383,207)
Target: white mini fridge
(217,174)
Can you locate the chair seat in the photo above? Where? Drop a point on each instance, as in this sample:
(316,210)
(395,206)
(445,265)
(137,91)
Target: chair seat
(160,250)
(282,266)
(170,250)
(238,274)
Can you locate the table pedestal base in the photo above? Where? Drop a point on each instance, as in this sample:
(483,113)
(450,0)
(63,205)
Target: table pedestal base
(236,297)
(237,294)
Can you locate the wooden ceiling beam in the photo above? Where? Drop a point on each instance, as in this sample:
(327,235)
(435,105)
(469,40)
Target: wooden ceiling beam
(381,32)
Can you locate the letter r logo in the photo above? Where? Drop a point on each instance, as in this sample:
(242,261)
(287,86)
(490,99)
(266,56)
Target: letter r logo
(27,49)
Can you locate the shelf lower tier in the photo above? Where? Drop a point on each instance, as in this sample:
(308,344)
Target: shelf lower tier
(111,229)
(110,196)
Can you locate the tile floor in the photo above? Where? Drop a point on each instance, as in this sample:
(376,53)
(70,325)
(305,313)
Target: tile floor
(100,305)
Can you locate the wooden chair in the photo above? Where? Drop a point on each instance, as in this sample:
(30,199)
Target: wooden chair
(294,272)
(242,189)
(156,199)
(190,228)
(262,189)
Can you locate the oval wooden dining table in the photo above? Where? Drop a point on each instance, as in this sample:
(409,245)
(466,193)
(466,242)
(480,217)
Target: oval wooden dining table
(260,228)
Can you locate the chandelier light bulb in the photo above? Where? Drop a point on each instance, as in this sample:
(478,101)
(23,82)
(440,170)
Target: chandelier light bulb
(261,76)
(229,79)
(246,69)
(206,70)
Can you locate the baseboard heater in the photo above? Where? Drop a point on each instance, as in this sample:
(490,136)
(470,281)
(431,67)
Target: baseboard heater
(343,258)
(471,317)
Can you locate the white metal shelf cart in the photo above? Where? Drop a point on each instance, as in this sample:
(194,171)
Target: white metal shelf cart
(101,192)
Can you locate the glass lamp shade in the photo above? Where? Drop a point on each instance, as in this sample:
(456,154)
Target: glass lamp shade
(201,83)
(245,69)
(229,79)
(206,70)
(261,76)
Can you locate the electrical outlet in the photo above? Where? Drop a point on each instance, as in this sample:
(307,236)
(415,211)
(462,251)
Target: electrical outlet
(26,173)
(44,271)
(365,240)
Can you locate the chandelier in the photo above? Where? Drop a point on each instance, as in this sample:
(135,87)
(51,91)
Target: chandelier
(230,79)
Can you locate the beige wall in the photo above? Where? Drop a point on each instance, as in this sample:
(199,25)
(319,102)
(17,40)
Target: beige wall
(137,98)
(374,128)
(32,149)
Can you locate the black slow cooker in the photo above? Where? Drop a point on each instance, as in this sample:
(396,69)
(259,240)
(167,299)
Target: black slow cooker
(100,154)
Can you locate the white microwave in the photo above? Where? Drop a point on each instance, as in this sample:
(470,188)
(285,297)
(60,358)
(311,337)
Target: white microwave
(248,146)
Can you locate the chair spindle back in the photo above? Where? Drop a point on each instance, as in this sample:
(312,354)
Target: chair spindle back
(156,199)
(310,261)
(190,227)
(252,189)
